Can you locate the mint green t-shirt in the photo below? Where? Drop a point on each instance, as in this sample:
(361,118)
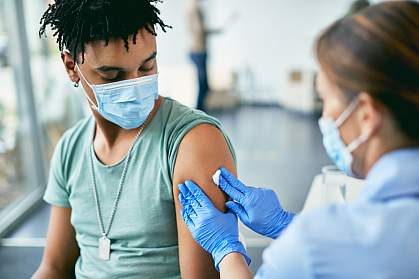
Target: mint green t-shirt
(144,232)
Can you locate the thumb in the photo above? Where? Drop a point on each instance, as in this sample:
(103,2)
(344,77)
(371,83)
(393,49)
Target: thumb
(237,209)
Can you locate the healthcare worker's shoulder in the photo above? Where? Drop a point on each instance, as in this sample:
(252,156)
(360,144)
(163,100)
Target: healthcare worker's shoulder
(378,237)
(291,255)
(287,256)
(330,222)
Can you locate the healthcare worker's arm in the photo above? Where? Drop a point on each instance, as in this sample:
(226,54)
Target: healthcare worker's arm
(202,151)
(61,251)
(217,233)
(258,208)
(234,266)
(288,256)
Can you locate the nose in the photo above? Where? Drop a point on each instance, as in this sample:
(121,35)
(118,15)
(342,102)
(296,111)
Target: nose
(133,75)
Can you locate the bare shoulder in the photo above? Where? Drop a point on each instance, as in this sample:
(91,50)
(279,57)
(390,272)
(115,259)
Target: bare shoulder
(204,137)
(202,151)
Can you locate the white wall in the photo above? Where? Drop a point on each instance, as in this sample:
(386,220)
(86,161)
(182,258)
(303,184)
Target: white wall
(273,37)
(269,38)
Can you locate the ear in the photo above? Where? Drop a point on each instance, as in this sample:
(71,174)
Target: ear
(369,114)
(69,65)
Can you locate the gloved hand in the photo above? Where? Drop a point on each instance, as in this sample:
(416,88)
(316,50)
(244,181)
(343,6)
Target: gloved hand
(215,231)
(257,208)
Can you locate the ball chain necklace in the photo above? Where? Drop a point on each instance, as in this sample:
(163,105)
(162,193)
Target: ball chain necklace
(104,241)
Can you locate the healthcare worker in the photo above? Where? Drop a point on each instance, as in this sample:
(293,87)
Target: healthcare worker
(369,82)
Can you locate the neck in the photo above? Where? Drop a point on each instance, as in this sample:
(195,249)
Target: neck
(374,154)
(108,134)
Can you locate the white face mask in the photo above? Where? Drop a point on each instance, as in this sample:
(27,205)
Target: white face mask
(338,152)
(125,103)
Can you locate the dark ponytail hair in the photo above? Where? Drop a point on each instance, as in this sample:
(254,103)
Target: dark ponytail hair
(377,51)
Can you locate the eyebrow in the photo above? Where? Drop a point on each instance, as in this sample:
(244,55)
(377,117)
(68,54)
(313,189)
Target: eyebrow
(107,69)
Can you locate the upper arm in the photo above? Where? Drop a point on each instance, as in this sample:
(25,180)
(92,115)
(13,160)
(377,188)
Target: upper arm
(61,251)
(202,151)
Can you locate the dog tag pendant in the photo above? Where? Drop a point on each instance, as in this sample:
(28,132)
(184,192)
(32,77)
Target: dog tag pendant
(104,248)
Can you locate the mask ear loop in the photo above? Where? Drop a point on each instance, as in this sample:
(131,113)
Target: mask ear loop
(356,143)
(343,117)
(348,111)
(92,104)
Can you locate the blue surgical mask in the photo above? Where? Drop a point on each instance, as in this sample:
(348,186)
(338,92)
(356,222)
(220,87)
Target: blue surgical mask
(125,103)
(338,152)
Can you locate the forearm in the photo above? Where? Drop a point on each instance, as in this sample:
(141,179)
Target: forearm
(234,266)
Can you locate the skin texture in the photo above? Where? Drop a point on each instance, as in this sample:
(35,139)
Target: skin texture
(235,266)
(201,152)
(61,251)
(204,141)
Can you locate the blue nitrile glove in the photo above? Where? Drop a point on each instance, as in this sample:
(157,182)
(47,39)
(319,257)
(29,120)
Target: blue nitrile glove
(257,208)
(215,231)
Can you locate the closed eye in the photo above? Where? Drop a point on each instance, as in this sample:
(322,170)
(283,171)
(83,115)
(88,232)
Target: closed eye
(118,77)
(148,66)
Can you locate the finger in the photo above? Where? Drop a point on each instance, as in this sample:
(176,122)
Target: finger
(237,209)
(185,216)
(198,194)
(229,211)
(184,190)
(183,201)
(230,190)
(188,197)
(194,212)
(190,203)
(190,210)
(233,181)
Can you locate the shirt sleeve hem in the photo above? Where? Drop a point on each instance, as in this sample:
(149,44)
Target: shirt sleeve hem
(57,202)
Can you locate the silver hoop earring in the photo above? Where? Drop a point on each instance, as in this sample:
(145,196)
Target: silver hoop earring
(76,84)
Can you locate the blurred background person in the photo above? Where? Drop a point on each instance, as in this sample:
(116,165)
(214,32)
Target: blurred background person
(199,34)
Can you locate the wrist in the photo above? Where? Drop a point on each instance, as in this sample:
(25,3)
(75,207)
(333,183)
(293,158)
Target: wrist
(281,223)
(227,248)
(232,259)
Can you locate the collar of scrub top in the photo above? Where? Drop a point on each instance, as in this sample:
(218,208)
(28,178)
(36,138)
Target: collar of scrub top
(395,175)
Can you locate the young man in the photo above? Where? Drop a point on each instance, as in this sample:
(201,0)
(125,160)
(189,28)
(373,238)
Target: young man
(114,175)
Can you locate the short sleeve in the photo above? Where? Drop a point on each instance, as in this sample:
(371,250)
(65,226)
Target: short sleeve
(183,126)
(56,192)
(286,257)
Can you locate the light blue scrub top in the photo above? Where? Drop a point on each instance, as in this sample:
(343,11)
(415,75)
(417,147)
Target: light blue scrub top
(375,237)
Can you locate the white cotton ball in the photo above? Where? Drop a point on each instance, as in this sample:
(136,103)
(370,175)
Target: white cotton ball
(216,177)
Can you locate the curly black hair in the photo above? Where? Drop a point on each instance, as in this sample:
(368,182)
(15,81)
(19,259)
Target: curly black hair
(77,22)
